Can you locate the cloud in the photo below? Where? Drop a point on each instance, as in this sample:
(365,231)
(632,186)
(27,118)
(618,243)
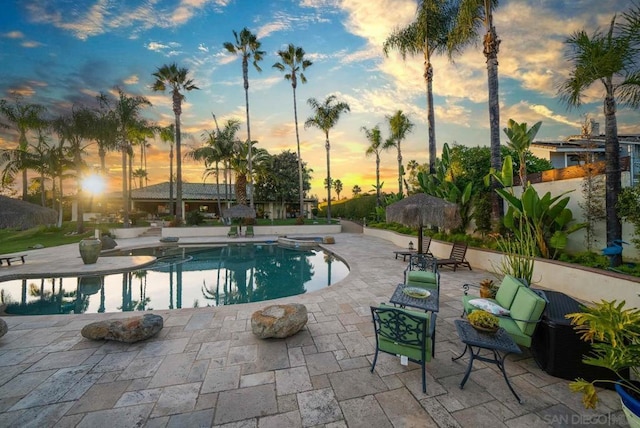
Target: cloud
(132,80)
(14,35)
(203,48)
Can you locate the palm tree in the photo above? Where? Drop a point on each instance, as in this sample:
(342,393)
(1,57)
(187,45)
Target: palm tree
(472,15)
(611,59)
(105,130)
(25,117)
(168,135)
(240,164)
(326,116)
(375,148)
(399,127)
(426,35)
(127,109)
(74,129)
(247,45)
(338,186)
(293,64)
(175,78)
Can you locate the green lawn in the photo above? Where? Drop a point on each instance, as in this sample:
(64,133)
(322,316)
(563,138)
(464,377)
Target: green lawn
(14,241)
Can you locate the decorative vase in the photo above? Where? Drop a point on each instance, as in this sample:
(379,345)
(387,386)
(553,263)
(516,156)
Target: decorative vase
(90,250)
(630,406)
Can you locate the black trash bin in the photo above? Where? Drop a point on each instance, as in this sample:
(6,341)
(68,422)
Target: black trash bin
(557,348)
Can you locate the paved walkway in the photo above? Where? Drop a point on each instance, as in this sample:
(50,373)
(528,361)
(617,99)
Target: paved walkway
(205,368)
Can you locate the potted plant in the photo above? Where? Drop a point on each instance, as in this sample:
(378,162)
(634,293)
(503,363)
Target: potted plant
(614,334)
(488,288)
(484,321)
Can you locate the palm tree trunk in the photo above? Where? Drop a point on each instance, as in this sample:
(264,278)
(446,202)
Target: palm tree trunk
(172,210)
(179,213)
(24,183)
(245,75)
(300,185)
(43,200)
(80,211)
(218,189)
(491,47)
(428,76)
(378,201)
(125,192)
(612,172)
(328,147)
(399,168)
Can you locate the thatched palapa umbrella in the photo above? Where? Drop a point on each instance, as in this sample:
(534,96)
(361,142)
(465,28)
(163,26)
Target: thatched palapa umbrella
(15,213)
(421,210)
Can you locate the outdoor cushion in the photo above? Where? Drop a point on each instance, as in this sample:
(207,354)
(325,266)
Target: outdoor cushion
(507,291)
(414,276)
(527,306)
(489,306)
(514,331)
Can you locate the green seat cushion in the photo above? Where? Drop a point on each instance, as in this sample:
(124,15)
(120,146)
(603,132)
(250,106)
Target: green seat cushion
(507,291)
(417,276)
(409,350)
(514,332)
(527,306)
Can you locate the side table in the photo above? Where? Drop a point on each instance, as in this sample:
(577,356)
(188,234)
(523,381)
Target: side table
(498,342)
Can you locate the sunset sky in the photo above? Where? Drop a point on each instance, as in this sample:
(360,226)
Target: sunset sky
(64,52)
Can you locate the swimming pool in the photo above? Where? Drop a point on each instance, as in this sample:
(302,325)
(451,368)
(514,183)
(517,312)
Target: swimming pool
(182,278)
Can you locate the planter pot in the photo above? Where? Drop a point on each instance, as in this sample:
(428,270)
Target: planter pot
(90,285)
(630,407)
(90,250)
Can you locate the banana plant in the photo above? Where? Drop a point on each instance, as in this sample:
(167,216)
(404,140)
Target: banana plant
(520,139)
(548,216)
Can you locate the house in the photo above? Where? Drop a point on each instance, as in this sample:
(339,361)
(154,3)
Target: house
(204,197)
(589,147)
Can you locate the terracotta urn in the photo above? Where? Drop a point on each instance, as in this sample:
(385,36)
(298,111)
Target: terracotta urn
(90,250)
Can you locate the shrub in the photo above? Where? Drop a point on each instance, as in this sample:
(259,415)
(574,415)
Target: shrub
(299,220)
(194,218)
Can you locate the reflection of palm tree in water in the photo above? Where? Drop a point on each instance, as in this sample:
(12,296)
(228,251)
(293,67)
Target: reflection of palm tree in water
(328,259)
(127,303)
(141,305)
(274,276)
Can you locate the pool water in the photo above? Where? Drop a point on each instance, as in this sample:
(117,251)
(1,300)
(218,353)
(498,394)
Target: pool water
(182,278)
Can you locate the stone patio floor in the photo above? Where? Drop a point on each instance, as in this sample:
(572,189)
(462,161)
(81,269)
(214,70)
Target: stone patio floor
(206,368)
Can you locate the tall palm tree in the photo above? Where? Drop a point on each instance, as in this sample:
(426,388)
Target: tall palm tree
(75,129)
(175,78)
(426,35)
(326,116)
(248,46)
(376,146)
(168,135)
(293,64)
(472,16)
(612,59)
(24,117)
(240,164)
(399,127)
(105,130)
(128,110)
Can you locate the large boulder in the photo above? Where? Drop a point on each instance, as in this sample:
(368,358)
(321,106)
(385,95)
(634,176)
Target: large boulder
(126,330)
(279,321)
(4,328)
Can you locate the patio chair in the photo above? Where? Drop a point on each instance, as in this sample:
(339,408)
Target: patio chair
(233,232)
(249,231)
(405,333)
(457,256)
(426,243)
(422,271)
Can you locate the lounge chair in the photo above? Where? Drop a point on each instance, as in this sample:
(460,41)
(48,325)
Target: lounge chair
(457,256)
(426,243)
(249,231)
(403,332)
(15,258)
(233,232)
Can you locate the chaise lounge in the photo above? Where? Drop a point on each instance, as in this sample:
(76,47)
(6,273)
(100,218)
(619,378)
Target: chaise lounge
(457,256)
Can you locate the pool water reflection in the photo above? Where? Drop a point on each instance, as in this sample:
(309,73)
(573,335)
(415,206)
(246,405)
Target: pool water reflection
(181,278)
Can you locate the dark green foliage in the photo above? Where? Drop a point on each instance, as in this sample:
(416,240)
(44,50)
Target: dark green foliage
(482,212)
(586,258)
(194,218)
(628,208)
(279,181)
(356,209)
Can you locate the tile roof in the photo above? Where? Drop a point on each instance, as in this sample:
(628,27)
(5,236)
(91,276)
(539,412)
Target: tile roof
(194,191)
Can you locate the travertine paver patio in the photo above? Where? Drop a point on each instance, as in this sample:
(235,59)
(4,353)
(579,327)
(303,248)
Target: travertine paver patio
(206,368)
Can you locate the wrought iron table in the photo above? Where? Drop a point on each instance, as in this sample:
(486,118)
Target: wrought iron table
(428,304)
(496,342)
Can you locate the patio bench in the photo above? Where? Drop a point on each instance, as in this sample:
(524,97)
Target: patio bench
(15,258)
(517,307)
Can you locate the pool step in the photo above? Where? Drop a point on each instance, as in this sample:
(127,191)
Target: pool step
(152,231)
